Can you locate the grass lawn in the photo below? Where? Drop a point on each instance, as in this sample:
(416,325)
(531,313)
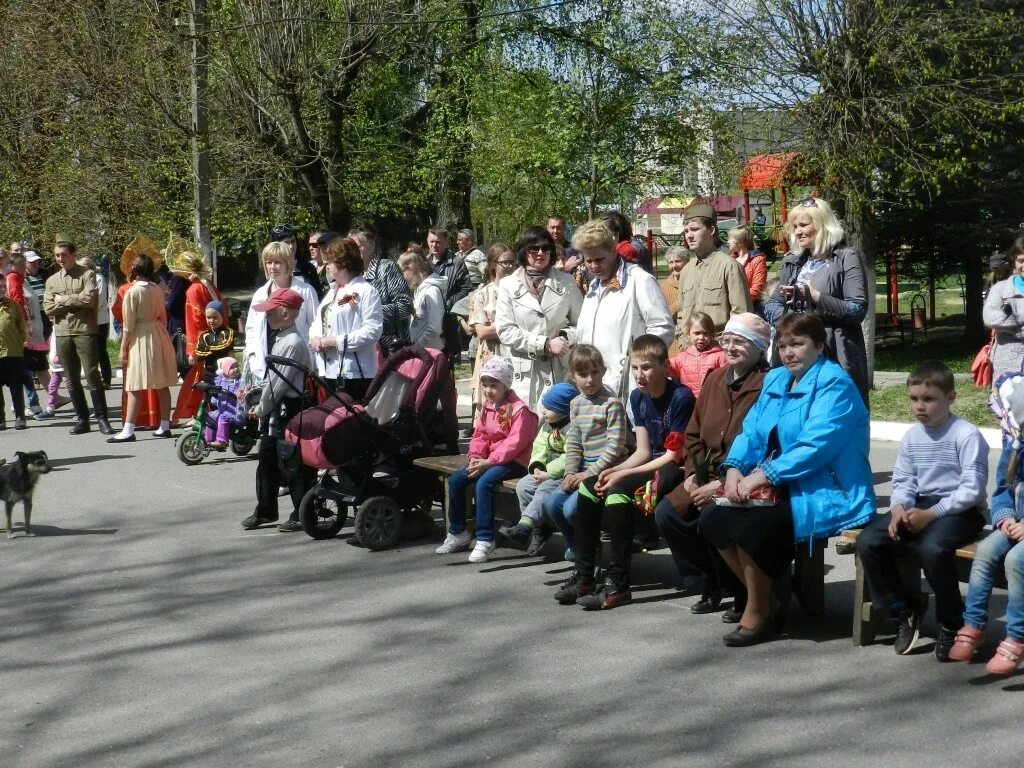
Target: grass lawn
(891,404)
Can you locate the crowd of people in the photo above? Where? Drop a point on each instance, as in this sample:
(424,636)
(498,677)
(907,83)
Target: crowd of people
(618,403)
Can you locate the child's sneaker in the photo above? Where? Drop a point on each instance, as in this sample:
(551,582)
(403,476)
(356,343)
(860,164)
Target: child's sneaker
(610,595)
(570,555)
(576,587)
(1007,658)
(43,415)
(944,642)
(482,552)
(966,643)
(909,625)
(515,536)
(454,542)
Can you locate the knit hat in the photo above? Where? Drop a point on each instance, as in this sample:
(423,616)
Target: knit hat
(216,306)
(557,398)
(499,369)
(750,327)
(224,365)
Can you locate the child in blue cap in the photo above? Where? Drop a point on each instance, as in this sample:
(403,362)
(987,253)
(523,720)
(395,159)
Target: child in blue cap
(544,474)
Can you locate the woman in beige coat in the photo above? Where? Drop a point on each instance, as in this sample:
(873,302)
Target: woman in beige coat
(536,306)
(147,355)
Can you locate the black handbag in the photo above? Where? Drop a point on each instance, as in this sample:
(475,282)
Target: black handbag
(180,353)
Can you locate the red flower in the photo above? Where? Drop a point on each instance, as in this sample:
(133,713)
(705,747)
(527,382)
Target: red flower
(674,441)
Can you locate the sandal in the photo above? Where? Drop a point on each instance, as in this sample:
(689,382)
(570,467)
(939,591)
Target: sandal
(966,643)
(1006,658)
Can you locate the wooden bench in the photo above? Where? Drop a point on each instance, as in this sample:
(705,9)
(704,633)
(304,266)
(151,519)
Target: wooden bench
(808,568)
(864,619)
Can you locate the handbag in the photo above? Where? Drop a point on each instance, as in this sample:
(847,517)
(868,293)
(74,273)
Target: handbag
(981,368)
(180,353)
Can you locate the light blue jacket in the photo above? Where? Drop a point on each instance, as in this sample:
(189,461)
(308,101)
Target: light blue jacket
(823,432)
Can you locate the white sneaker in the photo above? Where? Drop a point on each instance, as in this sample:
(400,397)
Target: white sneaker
(482,552)
(454,542)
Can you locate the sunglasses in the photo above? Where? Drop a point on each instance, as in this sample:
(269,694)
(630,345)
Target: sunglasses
(506,264)
(809,202)
(314,244)
(538,249)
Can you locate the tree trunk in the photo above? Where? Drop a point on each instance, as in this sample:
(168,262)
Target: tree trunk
(974,329)
(862,234)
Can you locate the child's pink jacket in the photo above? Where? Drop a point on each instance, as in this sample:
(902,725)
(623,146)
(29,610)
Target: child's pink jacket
(504,433)
(691,367)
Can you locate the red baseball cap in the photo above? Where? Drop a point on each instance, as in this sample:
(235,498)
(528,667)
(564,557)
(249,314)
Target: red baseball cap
(286,298)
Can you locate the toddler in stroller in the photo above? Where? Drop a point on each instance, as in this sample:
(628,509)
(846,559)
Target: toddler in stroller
(366,451)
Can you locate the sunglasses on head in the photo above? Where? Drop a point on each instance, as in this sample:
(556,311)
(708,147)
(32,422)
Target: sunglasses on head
(809,202)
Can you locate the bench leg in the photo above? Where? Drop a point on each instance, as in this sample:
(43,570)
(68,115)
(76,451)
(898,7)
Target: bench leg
(809,577)
(863,614)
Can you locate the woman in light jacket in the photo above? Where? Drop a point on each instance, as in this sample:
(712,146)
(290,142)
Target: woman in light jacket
(1004,313)
(348,323)
(427,320)
(623,302)
(806,441)
(278,263)
(538,306)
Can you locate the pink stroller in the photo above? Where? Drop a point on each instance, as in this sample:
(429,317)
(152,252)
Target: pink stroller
(366,451)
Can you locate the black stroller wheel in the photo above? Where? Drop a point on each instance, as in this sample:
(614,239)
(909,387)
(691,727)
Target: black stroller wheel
(378,522)
(191,448)
(321,518)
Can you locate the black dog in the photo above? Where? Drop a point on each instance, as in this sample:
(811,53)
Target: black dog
(18,481)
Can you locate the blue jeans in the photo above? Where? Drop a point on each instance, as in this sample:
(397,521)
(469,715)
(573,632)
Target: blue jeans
(485,485)
(560,507)
(996,548)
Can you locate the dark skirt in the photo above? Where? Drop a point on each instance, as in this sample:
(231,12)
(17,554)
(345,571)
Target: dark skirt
(764,533)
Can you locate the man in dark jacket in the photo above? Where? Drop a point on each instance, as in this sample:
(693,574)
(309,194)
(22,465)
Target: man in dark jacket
(454,269)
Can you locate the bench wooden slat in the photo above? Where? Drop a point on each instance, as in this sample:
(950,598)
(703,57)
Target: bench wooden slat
(966,551)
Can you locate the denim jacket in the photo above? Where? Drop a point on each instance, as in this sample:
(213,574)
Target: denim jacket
(823,434)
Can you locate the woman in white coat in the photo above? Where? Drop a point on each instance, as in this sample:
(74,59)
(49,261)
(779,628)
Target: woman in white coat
(622,302)
(427,320)
(538,306)
(348,323)
(278,264)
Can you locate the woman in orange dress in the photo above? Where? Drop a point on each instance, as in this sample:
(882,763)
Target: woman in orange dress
(201,291)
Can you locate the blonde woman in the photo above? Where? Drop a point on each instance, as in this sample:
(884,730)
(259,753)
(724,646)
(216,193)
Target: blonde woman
(427,319)
(822,275)
(278,265)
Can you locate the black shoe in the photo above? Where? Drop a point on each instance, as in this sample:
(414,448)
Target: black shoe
(732,614)
(80,428)
(909,625)
(252,521)
(290,526)
(610,595)
(576,587)
(514,536)
(129,439)
(707,604)
(20,423)
(104,426)
(539,536)
(166,433)
(742,637)
(944,642)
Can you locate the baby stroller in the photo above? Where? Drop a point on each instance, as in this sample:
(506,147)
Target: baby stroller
(366,451)
(191,445)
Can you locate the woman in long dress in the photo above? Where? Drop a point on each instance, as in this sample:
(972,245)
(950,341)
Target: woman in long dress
(147,354)
(201,291)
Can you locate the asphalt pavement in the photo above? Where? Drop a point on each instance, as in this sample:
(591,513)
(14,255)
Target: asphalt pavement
(143,627)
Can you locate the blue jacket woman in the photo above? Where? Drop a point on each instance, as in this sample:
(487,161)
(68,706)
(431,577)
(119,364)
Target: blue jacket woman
(823,440)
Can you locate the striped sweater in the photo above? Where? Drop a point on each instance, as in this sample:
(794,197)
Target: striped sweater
(596,436)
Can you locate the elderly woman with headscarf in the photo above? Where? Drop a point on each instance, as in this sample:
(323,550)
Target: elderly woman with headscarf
(824,276)
(536,312)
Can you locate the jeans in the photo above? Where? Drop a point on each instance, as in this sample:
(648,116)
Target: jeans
(533,495)
(996,548)
(560,507)
(485,485)
(935,547)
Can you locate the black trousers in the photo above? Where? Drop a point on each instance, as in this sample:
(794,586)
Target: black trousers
(12,376)
(103,333)
(617,518)
(699,564)
(269,476)
(78,354)
(935,547)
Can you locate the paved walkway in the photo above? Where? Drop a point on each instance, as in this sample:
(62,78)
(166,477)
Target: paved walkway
(143,627)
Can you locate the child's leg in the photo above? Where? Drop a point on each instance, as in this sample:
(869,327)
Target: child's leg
(990,553)
(485,485)
(457,485)
(534,511)
(526,492)
(1014,565)
(223,426)
(16,386)
(52,390)
(877,553)
(589,510)
(936,547)
(556,508)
